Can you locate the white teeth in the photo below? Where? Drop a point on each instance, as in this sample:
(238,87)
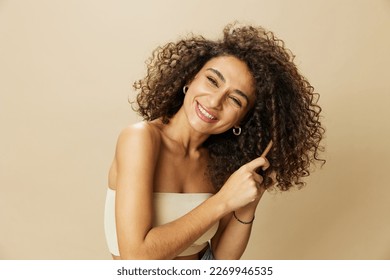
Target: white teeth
(205,113)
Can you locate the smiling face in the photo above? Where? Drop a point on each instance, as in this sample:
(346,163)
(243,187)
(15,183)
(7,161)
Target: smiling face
(219,96)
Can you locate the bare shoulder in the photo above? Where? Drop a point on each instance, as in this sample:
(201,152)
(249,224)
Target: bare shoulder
(137,150)
(140,135)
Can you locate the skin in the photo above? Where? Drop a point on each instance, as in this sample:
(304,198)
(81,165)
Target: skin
(154,157)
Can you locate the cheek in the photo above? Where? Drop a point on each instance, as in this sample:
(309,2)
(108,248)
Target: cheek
(242,115)
(235,115)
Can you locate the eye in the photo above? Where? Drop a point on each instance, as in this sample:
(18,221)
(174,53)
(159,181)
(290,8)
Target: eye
(236,101)
(212,81)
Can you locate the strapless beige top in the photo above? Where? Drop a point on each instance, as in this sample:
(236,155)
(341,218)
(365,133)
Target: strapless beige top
(167,207)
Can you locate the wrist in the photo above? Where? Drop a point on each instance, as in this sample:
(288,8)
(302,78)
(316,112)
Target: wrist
(245,213)
(245,222)
(219,205)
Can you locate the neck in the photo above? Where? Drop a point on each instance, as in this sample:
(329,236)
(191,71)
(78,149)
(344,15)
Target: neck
(179,130)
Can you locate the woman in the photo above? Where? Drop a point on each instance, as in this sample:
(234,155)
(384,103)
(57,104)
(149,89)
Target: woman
(185,183)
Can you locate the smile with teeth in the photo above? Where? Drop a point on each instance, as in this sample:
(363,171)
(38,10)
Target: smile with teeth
(205,113)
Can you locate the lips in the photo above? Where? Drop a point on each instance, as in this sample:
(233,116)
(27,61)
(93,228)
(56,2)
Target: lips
(204,114)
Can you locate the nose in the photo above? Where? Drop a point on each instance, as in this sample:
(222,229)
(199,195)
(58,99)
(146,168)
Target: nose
(216,99)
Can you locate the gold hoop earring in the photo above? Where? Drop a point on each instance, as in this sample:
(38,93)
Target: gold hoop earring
(236,131)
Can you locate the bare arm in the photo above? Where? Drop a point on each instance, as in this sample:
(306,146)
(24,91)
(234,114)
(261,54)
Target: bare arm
(232,237)
(136,157)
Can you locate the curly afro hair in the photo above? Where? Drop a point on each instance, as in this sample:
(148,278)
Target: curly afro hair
(285,110)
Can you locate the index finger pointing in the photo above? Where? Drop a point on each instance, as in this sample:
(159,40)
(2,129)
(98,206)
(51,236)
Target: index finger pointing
(267,149)
(258,162)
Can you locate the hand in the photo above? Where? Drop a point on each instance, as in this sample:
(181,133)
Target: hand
(244,185)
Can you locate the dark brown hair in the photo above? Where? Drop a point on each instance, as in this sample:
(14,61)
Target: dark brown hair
(285,110)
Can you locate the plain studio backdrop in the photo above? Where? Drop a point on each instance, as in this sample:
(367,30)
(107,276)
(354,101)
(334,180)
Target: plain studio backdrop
(66,71)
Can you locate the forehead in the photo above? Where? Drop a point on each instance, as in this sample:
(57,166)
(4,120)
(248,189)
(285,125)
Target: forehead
(235,72)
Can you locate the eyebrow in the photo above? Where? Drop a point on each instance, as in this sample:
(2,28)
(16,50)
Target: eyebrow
(219,74)
(239,92)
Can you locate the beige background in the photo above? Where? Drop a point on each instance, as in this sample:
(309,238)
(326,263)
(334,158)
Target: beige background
(66,69)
